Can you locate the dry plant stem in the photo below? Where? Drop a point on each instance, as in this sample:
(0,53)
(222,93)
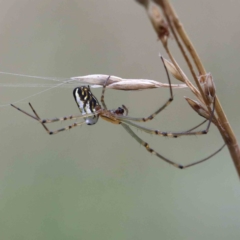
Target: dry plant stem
(190,85)
(224,126)
(202,99)
(168,13)
(186,58)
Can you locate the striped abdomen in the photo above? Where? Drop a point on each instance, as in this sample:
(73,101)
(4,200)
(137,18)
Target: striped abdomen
(86,102)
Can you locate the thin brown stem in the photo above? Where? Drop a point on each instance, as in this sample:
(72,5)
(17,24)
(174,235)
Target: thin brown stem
(179,33)
(224,128)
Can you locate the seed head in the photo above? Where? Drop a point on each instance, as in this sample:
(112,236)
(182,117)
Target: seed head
(198,108)
(208,86)
(159,24)
(171,68)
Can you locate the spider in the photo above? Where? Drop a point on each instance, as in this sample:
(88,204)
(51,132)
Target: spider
(91,110)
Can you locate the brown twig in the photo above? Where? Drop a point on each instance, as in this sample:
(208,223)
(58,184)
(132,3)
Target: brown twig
(173,23)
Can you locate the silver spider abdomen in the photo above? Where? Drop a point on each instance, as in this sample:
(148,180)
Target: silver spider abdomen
(87,103)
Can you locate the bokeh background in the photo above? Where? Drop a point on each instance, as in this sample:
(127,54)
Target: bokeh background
(97,182)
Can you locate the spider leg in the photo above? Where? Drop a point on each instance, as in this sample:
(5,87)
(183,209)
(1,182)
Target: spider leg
(127,118)
(19,109)
(171,134)
(161,108)
(165,104)
(38,117)
(54,119)
(200,124)
(126,110)
(156,112)
(209,122)
(180,166)
(76,124)
(103,92)
(164,134)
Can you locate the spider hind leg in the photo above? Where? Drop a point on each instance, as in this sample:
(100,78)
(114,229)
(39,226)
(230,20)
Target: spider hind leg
(149,149)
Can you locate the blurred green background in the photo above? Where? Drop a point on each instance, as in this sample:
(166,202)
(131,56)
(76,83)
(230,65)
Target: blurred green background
(97,182)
